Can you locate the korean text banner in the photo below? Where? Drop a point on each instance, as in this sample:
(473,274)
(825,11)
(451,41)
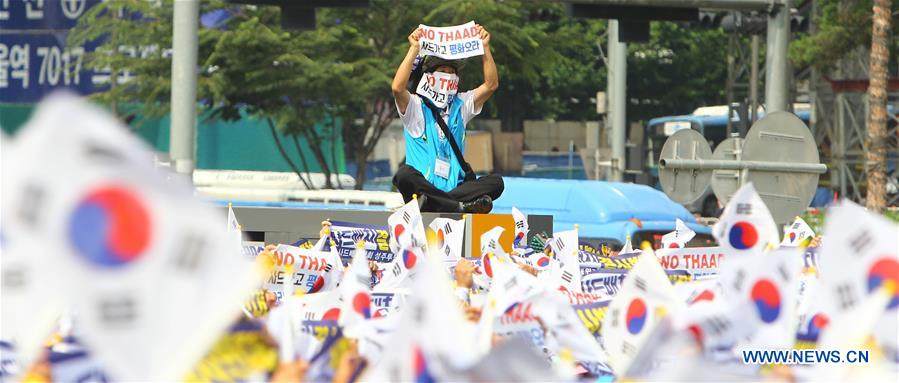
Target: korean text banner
(451,43)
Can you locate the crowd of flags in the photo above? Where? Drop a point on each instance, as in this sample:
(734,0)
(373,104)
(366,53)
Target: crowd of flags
(112,270)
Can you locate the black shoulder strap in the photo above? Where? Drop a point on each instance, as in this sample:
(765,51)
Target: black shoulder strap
(466,167)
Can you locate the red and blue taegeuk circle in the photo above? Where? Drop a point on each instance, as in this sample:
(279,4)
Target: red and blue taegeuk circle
(817,323)
(743,235)
(317,285)
(409,258)
(362,304)
(543,261)
(766,297)
(518,238)
(110,227)
(487,268)
(885,269)
(332,314)
(635,317)
(397,231)
(792,236)
(705,295)
(441,238)
(422,375)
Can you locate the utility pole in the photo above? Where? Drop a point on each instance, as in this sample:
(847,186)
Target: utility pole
(777,95)
(617,90)
(182,134)
(754,80)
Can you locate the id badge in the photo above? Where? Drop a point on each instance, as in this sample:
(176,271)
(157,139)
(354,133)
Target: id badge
(442,167)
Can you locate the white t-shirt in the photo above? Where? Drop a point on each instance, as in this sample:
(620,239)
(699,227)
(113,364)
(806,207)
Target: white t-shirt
(414,121)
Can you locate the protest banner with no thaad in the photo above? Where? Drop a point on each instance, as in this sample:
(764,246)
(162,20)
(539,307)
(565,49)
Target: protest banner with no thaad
(451,43)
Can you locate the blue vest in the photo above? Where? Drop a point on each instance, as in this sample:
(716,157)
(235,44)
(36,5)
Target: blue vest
(422,152)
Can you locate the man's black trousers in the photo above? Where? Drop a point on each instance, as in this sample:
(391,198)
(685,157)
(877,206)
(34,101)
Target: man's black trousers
(410,181)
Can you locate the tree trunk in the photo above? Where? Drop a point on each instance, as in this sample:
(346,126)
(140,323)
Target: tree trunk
(361,167)
(296,144)
(315,145)
(877,119)
(334,151)
(271,127)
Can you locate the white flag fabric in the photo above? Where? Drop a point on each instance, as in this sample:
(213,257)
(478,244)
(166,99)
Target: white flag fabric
(568,273)
(679,237)
(401,271)
(355,292)
(450,233)
(860,254)
(490,242)
(797,232)
(521,229)
(406,227)
(769,283)
(435,339)
(746,225)
(646,296)
(148,268)
(627,248)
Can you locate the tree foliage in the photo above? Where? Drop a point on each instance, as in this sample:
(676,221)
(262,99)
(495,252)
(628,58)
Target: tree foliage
(842,26)
(307,83)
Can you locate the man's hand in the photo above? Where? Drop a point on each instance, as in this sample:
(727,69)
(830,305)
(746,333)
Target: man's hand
(326,229)
(464,269)
(485,36)
(398,86)
(413,39)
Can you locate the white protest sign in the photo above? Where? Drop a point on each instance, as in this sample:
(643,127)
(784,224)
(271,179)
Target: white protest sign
(438,87)
(451,43)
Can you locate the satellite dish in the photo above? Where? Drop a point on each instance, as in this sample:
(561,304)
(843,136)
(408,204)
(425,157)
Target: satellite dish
(685,185)
(781,137)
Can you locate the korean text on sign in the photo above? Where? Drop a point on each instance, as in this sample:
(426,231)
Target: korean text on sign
(451,43)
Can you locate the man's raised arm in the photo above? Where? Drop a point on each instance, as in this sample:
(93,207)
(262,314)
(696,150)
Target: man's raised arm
(491,79)
(400,94)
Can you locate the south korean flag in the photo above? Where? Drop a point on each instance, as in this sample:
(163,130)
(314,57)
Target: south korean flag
(769,284)
(646,296)
(860,256)
(406,227)
(148,268)
(746,225)
(449,233)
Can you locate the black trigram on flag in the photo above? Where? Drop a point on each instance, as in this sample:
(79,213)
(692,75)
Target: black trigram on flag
(860,242)
(560,244)
(566,276)
(447,229)
(406,217)
(628,349)
(784,274)
(519,224)
(738,280)
(190,253)
(639,283)
(718,325)
(511,283)
(32,204)
(13,277)
(846,296)
(117,311)
(744,208)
